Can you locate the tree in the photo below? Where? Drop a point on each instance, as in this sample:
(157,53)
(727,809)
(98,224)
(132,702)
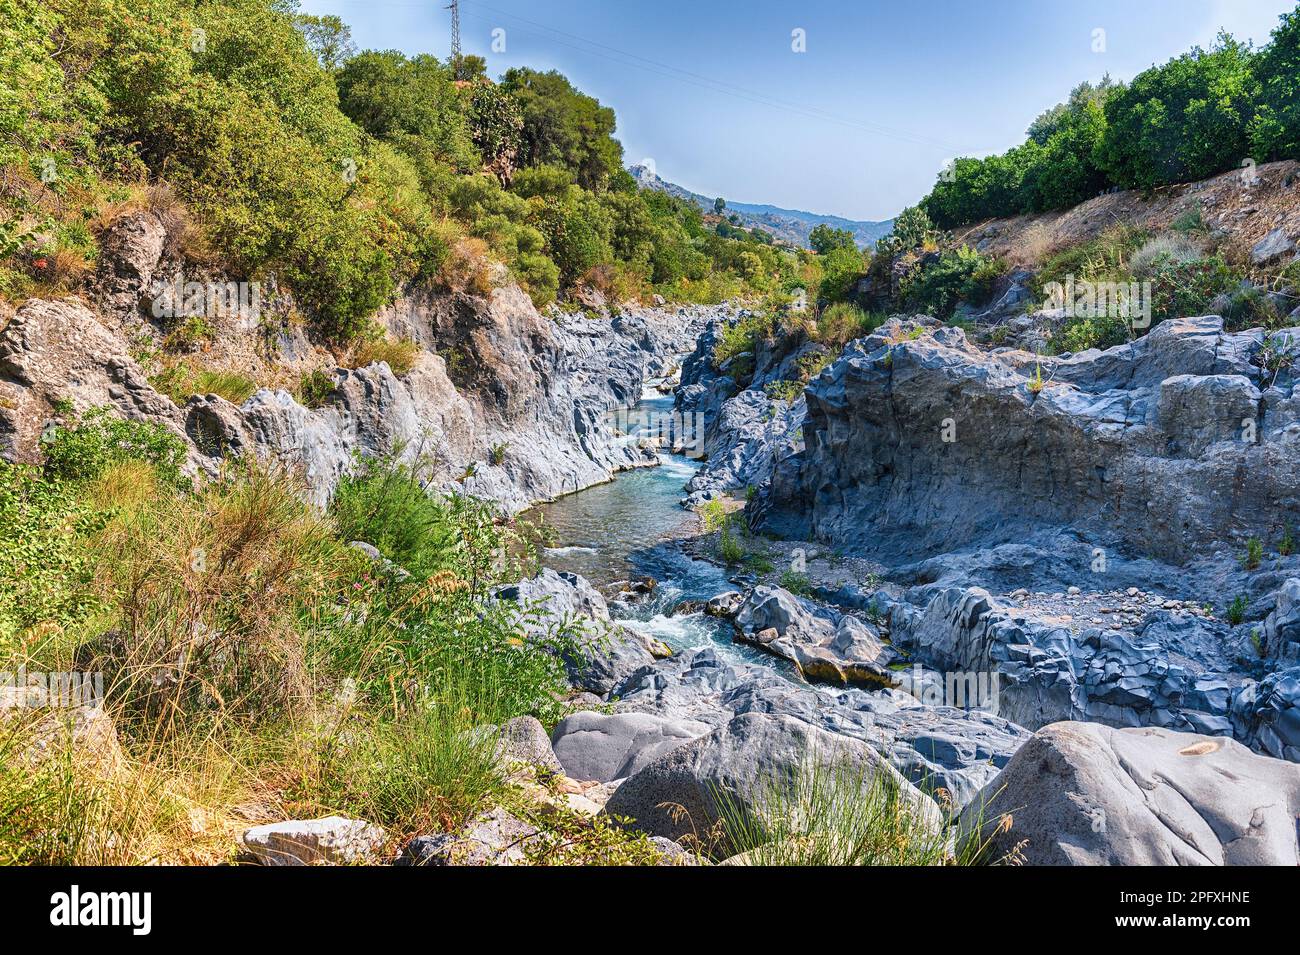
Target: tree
(328,37)
(719,204)
(413,104)
(825,238)
(564,127)
(497,128)
(1275,127)
(1082,96)
(1181,121)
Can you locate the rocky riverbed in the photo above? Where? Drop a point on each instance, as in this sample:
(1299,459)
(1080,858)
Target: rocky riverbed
(1042,588)
(1085,555)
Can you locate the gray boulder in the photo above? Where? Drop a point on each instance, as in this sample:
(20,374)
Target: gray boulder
(935,747)
(1267,714)
(824,646)
(605,747)
(333,840)
(685,792)
(495,838)
(1280,632)
(1085,794)
(605,652)
(1273,246)
(524,740)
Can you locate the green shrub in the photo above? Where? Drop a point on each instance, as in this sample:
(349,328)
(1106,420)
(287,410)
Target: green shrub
(1237,610)
(314,388)
(784,390)
(1179,289)
(386,504)
(1189,221)
(835,813)
(730,548)
(959,275)
(1080,334)
(82,450)
(843,322)
(46,566)
(431,769)
(1254,554)
(741,336)
(797,583)
(1275,127)
(842,267)
(1186,119)
(713,514)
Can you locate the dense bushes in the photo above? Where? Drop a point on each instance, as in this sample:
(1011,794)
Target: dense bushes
(1196,115)
(1182,121)
(344,174)
(82,449)
(956,275)
(250,657)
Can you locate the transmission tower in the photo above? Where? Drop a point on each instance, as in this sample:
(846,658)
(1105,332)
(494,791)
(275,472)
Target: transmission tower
(454,7)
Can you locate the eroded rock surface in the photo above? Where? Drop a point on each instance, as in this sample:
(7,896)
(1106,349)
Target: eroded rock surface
(1174,442)
(686,792)
(1084,794)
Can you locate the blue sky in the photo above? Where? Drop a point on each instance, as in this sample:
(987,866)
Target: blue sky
(859,124)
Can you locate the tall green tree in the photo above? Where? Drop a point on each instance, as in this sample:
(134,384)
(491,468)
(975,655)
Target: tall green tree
(564,127)
(825,238)
(1275,127)
(1181,121)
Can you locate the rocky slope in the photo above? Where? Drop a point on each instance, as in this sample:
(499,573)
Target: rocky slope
(684,731)
(505,403)
(1075,524)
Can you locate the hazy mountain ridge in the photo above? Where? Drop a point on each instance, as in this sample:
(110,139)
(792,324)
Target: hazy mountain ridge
(789,225)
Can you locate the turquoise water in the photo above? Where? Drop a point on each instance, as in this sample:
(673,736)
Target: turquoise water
(623,529)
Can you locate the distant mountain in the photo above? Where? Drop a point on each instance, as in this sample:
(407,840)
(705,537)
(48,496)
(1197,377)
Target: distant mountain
(789,225)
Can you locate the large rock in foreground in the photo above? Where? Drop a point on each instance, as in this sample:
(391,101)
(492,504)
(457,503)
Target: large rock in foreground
(609,746)
(1085,794)
(686,792)
(333,840)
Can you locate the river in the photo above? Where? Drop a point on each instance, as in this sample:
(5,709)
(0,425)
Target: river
(625,529)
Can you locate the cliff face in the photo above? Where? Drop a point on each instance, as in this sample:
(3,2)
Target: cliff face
(1174,443)
(504,402)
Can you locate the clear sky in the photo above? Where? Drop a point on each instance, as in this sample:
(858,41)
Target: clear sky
(857,125)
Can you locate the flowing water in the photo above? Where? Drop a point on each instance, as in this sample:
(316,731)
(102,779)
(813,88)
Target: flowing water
(624,529)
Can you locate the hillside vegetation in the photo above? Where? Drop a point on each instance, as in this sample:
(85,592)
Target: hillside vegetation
(343,175)
(1196,115)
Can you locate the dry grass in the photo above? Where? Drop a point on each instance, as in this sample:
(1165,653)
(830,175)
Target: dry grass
(181,380)
(1178,248)
(208,588)
(1037,242)
(399,353)
(185,236)
(468,268)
